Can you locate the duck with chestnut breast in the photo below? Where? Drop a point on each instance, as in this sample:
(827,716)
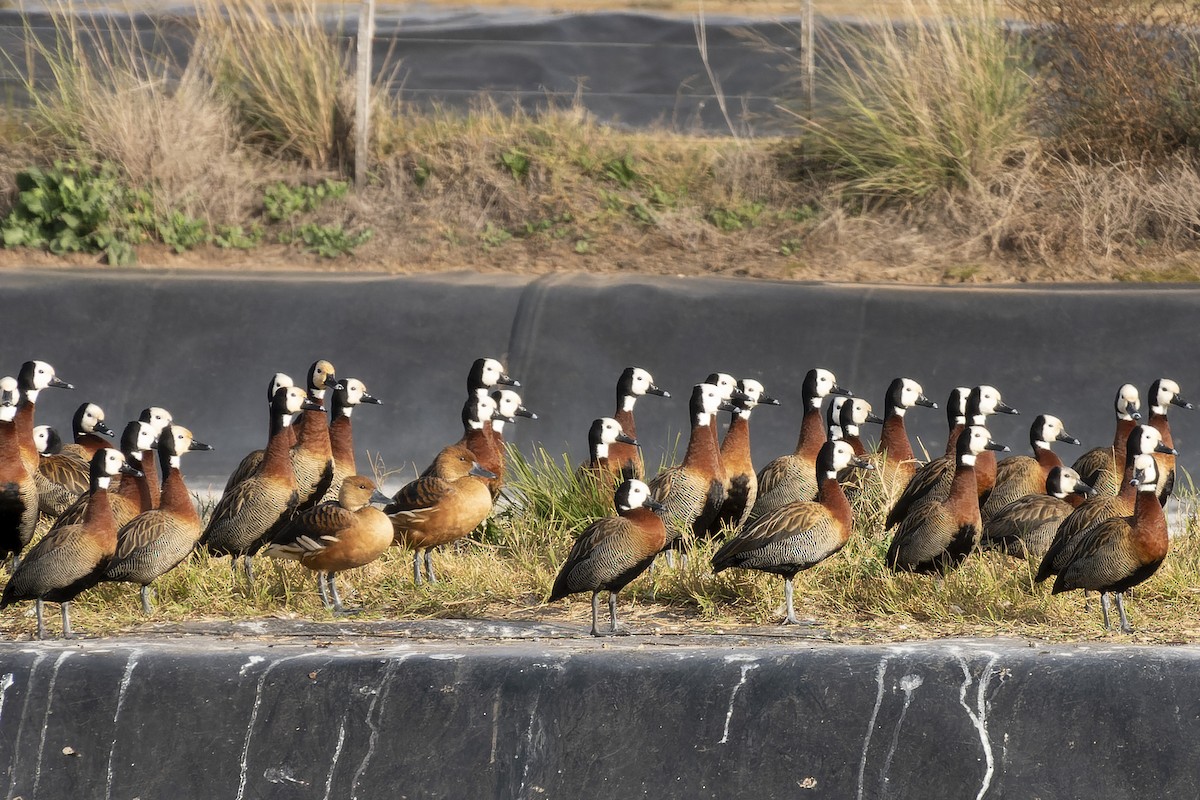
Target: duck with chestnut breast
(155,542)
(691,492)
(485,375)
(1121,552)
(1018,476)
(939,533)
(18,490)
(249,463)
(31,380)
(793,478)
(441,508)
(634,382)
(477,415)
(933,480)
(612,551)
(333,537)
(67,472)
(312,455)
(1102,467)
(245,515)
(736,457)
(89,430)
(1025,527)
(728,389)
(350,393)
(956,417)
(130,495)
(1143,440)
(895,455)
(1163,394)
(158,419)
(71,559)
(798,536)
(600,469)
(508,407)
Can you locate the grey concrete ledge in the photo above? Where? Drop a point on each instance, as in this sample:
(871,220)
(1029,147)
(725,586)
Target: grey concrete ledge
(151,718)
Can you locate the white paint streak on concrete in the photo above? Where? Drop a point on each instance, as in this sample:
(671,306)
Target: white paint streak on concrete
(379,697)
(253,660)
(37,769)
(12,766)
(880,672)
(126,678)
(978,715)
(732,697)
(908,684)
(446,656)
(258,692)
(495,726)
(5,681)
(337,752)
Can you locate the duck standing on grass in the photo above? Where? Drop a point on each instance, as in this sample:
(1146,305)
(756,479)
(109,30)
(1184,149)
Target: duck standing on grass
(613,551)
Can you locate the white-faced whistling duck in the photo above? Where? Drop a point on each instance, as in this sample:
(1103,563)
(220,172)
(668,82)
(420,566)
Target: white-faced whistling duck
(853,414)
(31,380)
(249,463)
(66,473)
(70,559)
(1143,441)
(155,542)
(634,382)
(691,488)
(1025,527)
(336,536)
(508,407)
(1121,552)
(956,417)
(477,415)
(47,440)
(937,535)
(158,419)
(245,515)
(1102,467)
(798,536)
(736,457)
(729,391)
(600,468)
(933,480)
(442,507)
(1018,476)
(793,478)
(312,455)
(130,495)
(351,392)
(18,491)
(485,374)
(1163,394)
(612,551)
(895,450)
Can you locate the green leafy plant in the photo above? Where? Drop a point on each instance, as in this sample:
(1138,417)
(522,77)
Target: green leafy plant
(327,241)
(282,202)
(516,162)
(735,219)
(238,238)
(181,232)
(621,171)
(494,236)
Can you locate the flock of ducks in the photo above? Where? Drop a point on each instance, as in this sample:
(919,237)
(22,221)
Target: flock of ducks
(1097,525)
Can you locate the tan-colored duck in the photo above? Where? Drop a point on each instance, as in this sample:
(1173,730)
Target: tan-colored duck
(336,536)
(612,551)
(798,536)
(249,463)
(477,415)
(1025,527)
(18,491)
(349,394)
(691,492)
(245,516)
(1163,394)
(71,559)
(933,480)
(1019,476)
(938,533)
(634,382)
(155,542)
(742,482)
(1121,552)
(443,507)
(793,478)
(1102,467)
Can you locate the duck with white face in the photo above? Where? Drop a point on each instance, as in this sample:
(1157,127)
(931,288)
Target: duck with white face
(742,487)
(31,380)
(487,373)
(1019,476)
(1025,527)
(349,394)
(599,469)
(1163,394)
(633,383)
(89,431)
(1102,466)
